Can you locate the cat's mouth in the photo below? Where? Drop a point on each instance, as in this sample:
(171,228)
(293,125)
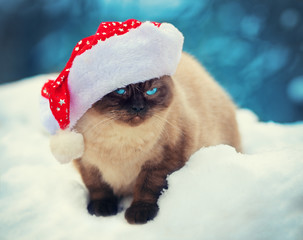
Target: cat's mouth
(136,120)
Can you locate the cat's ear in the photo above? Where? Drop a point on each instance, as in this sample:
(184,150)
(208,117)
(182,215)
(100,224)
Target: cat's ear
(67,145)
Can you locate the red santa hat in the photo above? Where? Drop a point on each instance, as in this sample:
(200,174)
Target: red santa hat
(118,54)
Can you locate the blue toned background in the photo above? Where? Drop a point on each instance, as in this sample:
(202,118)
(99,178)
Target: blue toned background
(253,48)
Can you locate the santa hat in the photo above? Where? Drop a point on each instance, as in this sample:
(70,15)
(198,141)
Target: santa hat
(118,54)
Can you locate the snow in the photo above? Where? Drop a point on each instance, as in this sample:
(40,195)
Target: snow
(219,194)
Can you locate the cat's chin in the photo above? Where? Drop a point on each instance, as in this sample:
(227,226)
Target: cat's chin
(135,121)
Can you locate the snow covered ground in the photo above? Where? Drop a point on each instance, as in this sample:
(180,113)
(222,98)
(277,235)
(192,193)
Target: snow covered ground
(219,194)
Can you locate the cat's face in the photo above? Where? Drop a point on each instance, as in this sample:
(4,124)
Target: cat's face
(137,102)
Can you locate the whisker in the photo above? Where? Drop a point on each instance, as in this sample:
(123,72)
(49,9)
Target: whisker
(171,124)
(98,124)
(164,132)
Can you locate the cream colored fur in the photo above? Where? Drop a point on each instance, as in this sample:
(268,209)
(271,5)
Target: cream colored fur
(200,110)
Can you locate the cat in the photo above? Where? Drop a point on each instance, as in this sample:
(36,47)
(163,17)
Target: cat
(136,136)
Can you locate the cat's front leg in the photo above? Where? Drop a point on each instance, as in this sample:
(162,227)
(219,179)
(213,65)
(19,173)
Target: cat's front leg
(151,182)
(149,185)
(102,201)
(148,188)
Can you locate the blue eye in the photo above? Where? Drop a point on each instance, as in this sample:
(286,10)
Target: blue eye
(120,91)
(152,91)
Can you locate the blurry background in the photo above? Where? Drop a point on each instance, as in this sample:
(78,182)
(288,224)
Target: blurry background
(253,48)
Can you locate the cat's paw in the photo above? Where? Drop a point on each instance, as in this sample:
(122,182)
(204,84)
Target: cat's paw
(141,212)
(103,207)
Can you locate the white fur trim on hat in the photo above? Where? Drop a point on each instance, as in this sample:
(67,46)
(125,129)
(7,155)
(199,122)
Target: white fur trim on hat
(47,118)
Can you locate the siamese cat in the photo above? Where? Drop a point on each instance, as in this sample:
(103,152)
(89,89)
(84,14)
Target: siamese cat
(136,136)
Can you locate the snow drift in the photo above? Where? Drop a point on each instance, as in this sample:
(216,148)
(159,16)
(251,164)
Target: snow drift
(219,194)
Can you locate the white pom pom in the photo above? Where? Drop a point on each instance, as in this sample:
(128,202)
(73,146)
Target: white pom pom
(67,145)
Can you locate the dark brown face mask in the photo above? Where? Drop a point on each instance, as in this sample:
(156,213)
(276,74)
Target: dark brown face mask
(137,102)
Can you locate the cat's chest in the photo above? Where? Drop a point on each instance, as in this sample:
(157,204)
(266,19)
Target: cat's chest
(118,143)
(120,152)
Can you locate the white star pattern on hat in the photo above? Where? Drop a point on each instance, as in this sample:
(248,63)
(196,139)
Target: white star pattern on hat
(61,102)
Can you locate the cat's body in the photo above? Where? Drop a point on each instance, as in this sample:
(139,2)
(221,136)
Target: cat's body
(135,155)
